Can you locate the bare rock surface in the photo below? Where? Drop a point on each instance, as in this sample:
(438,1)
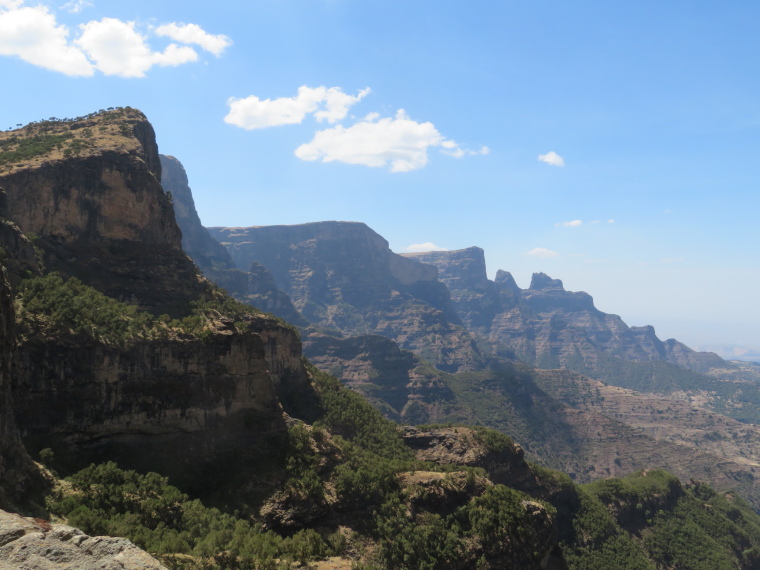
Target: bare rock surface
(35,544)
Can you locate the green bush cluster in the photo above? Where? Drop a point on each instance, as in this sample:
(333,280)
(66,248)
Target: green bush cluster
(18,149)
(54,305)
(105,500)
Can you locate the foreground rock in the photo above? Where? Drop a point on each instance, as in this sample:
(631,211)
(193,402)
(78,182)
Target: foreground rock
(35,544)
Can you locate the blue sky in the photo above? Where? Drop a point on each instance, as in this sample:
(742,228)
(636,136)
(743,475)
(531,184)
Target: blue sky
(426,120)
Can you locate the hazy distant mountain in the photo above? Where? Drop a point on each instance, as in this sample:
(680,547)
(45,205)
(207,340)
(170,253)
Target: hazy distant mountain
(545,325)
(343,276)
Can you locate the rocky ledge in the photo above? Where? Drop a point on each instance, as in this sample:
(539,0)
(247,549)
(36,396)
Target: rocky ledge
(36,544)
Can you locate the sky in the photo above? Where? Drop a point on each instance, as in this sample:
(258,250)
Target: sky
(613,145)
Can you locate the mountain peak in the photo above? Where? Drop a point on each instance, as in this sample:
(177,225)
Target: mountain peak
(542,282)
(505,279)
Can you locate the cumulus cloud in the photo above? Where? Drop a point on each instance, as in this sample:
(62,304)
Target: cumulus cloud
(399,143)
(32,34)
(326,104)
(427,246)
(116,48)
(552,158)
(194,34)
(541,252)
(571,224)
(112,46)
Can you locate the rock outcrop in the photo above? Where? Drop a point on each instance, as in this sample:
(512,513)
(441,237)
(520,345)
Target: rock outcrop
(343,276)
(91,200)
(36,544)
(179,407)
(188,405)
(505,464)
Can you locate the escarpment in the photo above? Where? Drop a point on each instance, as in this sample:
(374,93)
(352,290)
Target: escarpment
(343,276)
(202,389)
(89,195)
(20,480)
(179,407)
(545,325)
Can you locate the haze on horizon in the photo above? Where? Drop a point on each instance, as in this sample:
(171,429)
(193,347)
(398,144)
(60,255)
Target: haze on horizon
(611,146)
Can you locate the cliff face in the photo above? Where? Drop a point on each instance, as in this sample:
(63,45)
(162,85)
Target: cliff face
(187,405)
(343,276)
(545,325)
(208,254)
(18,475)
(181,408)
(89,195)
(20,479)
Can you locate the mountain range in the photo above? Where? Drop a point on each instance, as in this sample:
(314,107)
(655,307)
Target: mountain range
(119,344)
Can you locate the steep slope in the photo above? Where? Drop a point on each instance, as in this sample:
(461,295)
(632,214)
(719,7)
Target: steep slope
(20,481)
(88,193)
(549,327)
(97,378)
(254,285)
(343,276)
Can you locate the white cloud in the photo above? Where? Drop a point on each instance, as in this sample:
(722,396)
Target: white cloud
(572,224)
(112,46)
(427,246)
(399,143)
(671,259)
(610,221)
(552,158)
(541,252)
(32,34)
(327,104)
(194,34)
(451,148)
(76,6)
(118,49)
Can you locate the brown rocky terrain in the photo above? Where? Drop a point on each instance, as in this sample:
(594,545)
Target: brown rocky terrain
(665,418)
(90,197)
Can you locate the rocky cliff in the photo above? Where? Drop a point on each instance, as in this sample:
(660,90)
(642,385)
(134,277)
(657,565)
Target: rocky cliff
(20,480)
(545,325)
(343,276)
(88,193)
(252,284)
(179,407)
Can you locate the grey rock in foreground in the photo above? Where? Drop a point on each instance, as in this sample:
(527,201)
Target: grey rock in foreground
(34,544)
